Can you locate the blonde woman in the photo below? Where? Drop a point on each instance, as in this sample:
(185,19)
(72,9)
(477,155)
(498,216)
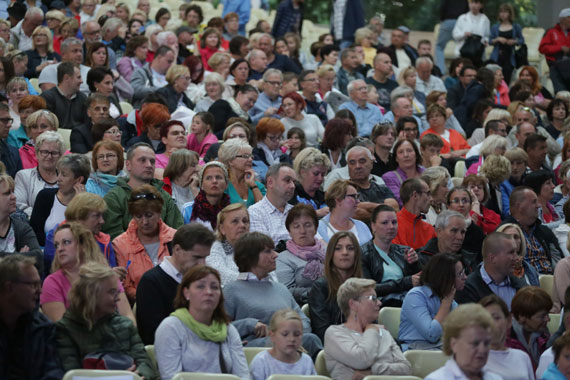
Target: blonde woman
(178,78)
(311,166)
(42,53)
(437,178)
(408,78)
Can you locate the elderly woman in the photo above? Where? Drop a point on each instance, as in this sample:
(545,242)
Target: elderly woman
(36,124)
(302,263)
(16,89)
(394,267)
(27,106)
(242,187)
(211,199)
(215,86)
(522,269)
(199,328)
(49,209)
(42,53)
(173,137)
(65,270)
(178,78)
(233,222)
(541,183)
(359,347)
(251,300)
(408,78)
(311,167)
(291,110)
(107,162)
(519,160)
(497,170)
(135,56)
(437,178)
(454,145)
(426,307)
(220,63)
(238,106)
(342,199)
(460,199)
(91,322)
(485,218)
(268,151)
(407,160)
(181,177)
(338,132)
(467,338)
(145,242)
(152,116)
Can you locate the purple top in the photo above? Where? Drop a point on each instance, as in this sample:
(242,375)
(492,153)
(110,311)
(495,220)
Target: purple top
(394,180)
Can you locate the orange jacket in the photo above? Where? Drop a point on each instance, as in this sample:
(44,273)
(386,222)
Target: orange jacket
(128,247)
(412,230)
(456,141)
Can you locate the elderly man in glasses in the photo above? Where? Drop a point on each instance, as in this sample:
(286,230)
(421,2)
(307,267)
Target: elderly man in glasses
(269,100)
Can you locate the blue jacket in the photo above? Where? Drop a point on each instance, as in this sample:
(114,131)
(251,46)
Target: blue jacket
(506,190)
(285,19)
(553,373)
(517,35)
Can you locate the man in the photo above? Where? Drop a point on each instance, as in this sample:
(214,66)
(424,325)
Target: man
(276,61)
(91,31)
(535,147)
(402,107)
(466,75)
(401,53)
(367,115)
(424,48)
(157,288)
(140,164)
(381,79)
(427,82)
(347,72)
(65,100)
(269,100)
(555,45)
(257,63)
(492,127)
(21,34)
(168,38)
(450,228)
(185,37)
(81,139)
(269,214)
(28,348)
(524,115)
(495,275)
(376,24)
(522,131)
(413,231)
(151,77)
(71,51)
(9,155)
(289,18)
(542,249)
(309,83)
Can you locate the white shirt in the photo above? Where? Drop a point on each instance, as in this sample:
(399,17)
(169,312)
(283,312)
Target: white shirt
(49,75)
(19,39)
(56,215)
(432,84)
(475,150)
(511,364)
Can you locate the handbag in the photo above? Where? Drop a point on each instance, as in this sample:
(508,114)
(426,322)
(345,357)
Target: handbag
(107,360)
(473,48)
(521,56)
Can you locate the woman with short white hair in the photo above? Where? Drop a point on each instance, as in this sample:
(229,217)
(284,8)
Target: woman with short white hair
(215,85)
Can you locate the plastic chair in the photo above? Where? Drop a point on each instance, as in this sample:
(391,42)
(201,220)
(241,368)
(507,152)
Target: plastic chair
(204,376)
(554,323)
(425,362)
(321,365)
(390,318)
(36,85)
(97,373)
(250,352)
(151,355)
(126,107)
(297,377)
(305,310)
(387,377)
(459,169)
(547,283)
(65,134)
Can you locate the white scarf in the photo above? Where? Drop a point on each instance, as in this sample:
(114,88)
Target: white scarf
(237,109)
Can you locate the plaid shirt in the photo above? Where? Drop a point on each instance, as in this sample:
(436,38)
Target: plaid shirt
(536,254)
(266,218)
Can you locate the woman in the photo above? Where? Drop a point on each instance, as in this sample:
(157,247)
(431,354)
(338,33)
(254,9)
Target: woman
(173,137)
(541,183)
(6,73)
(440,97)
(327,77)
(244,100)
(294,47)
(105,130)
(215,86)
(467,338)
(338,132)
(251,300)
(91,323)
(107,162)
(27,106)
(342,199)
(291,109)
(36,124)
(559,369)
(199,328)
(151,32)
(123,13)
(220,63)
(54,18)
(302,263)
(97,55)
(408,78)
(505,35)
(242,186)
(472,23)
(212,197)
(437,178)
(454,145)
(407,160)
(42,53)
(268,151)
(16,89)
(296,141)
(519,161)
(342,261)
(145,242)
(69,28)
(394,267)
(511,364)
(522,269)
(135,56)
(454,72)
(153,115)
(359,347)
(178,78)
(475,98)
(460,199)
(311,167)
(236,128)
(557,113)
(181,177)
(492,145)
(29,182)
(100,80)
(74,246)
(427,306)
(383,136)
(542,97)
(210,42)
(162,17)
(482,216)
(240,72)
(501,89)
(530,307)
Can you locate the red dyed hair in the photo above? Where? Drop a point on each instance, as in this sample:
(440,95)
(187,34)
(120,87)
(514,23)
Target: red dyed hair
(298,99)
(536,86)
(153,114)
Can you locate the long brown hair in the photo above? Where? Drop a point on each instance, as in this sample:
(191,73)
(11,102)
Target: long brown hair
(331,274)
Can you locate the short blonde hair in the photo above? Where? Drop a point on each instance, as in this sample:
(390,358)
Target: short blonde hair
(325,69)
(82,204)
(496,168)
(434,176)
(516,154)
(45,30)
(230,149)
(337,190)
(352,289)
(309,157)
(215,77)
(498,114)
(33,119)
(404,74)
(503,227)
(362,33)
(461,318)
(175,72)
(8,179)
(217,59)
(283,315)
(491,143)
(222,217)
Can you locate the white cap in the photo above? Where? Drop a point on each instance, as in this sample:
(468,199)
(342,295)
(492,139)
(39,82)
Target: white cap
(564,13)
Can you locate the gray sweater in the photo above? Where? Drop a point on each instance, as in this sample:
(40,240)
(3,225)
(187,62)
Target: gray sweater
(289,271)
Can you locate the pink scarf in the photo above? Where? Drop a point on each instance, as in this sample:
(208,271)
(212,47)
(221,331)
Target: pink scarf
(314,255)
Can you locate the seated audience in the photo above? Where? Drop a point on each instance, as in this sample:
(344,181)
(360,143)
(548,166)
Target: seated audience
(367,115)
(338,132)
(293,115)
(268,151)
(460,199)
(454,145)
(558,368)
(519,160)
(438,180)
(311,167)
(173,138)
(269,100)
(497,170)
(522,269)
(178,79)
(541,183)
(407,160)
(27,106)
(151,76)
(134,58)
(107,161)
(180,177)
(36,124)
(201,137)
(81,138)
(215,87)
(153,116)
(238,106)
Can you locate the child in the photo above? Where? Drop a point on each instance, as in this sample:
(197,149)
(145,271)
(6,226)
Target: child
(284,358)
(201,136)
(209,44)
(295,142)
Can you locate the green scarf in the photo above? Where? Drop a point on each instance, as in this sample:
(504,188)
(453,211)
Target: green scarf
(216,332)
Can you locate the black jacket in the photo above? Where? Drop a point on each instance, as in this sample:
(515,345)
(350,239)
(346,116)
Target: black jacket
(80,139)
(10,157)
(25,236)
(323,312)
(172,98)
(454,95)
(40,212)
(469,259)
(144,138)
(373,268)
(70,112)
(34,60)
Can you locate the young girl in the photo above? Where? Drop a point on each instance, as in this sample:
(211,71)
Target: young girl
(296,141)
(209,45)
(284,358)
(201,136)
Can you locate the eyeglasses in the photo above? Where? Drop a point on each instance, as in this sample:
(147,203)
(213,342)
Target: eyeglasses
(147,196)
(274,137)
(462,200)
(371,297)
(460,274)
(45,153)
(247,156)
(353,196)
(108,156)
(274,83)
(33,284)
(113,132)
(6,120)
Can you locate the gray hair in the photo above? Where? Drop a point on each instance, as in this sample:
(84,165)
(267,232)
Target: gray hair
(11,267)
(444,218)
(270,72)
(254,53)
(230,149)
(162,37)
(493,67)
(50,136)
(434,176)
(68,42)
(150,30)
(360,148)
(352,289)
(79,165)
(400,92)
(491,143)
(351,84)
(111,24)
(423,60)
(266,35)
(273,170)
(34,11)
(134,147)
(217,164)
(308,158)
(215,77)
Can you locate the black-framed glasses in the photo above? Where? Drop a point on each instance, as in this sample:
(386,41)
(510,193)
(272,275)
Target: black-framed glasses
(147,196)
(6,120)
(45,153)
(274,137)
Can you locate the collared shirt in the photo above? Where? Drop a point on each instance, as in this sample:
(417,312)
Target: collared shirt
(170,270)
(158,80)
(536,255)
(261,105)
(19,39)
(366,117)
(504,289)
(73,96)
(266,218)
(433,84)
(248,276)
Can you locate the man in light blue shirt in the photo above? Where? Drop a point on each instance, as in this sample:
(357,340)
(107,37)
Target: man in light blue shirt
(367,115)
(269,100)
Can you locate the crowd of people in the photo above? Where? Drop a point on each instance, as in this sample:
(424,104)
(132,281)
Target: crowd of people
(252,179)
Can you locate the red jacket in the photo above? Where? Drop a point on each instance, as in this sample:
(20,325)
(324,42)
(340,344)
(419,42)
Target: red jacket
(552,42)
(489,221)
(412,230)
